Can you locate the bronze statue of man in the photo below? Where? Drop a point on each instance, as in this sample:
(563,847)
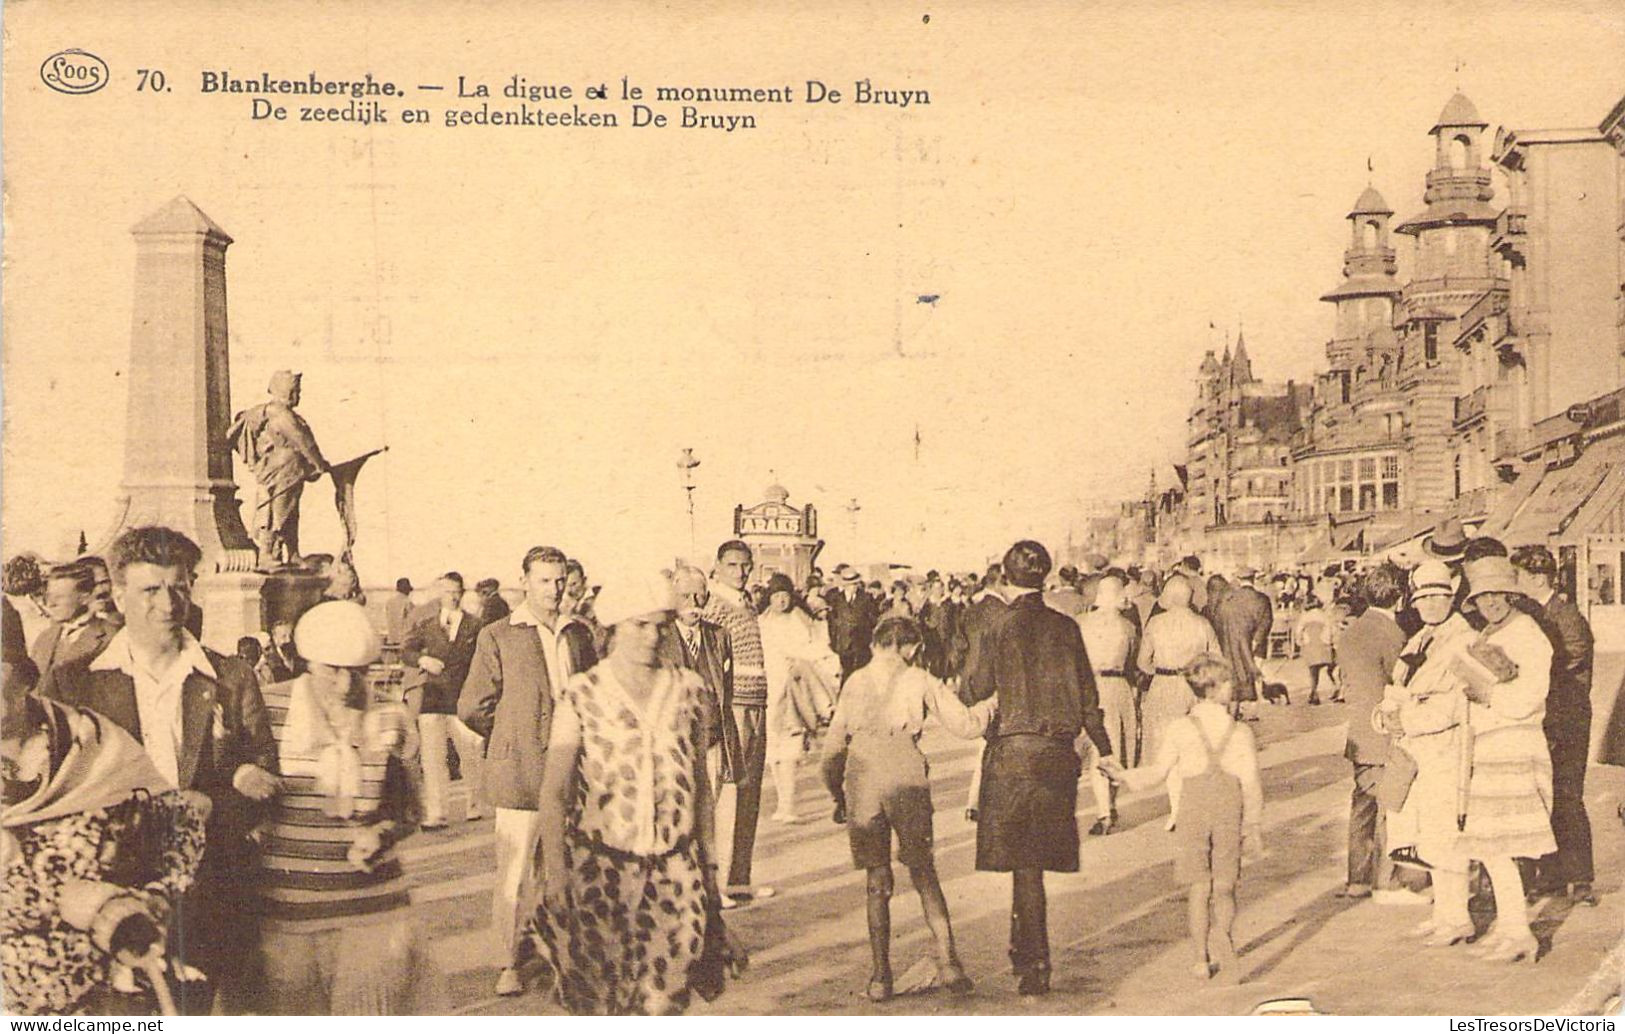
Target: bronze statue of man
(279,447)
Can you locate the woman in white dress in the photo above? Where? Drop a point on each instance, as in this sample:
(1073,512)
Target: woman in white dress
(1107,638)
(1509,801)
(1424,707)
(1173,639)
(791,645)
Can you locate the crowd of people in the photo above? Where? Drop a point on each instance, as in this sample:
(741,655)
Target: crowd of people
(189,831)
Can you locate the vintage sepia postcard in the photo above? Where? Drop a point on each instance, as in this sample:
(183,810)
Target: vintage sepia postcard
(854,508)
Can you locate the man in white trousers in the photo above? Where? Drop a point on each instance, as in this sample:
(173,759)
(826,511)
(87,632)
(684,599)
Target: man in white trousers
(521,663)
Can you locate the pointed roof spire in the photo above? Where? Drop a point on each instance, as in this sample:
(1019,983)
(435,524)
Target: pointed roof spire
(1241,366)
(1370,202)
(1458,112)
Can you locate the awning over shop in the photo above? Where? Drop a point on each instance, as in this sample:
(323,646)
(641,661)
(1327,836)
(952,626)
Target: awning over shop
(1350,537)
(1513,498)
(1341,542)
(1410,535)
(1562,493)
(1604,512)
(1405,547)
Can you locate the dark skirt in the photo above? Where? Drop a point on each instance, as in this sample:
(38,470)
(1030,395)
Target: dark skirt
(1028,805)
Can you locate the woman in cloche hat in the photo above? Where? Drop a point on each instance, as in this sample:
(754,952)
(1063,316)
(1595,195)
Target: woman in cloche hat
(1426,712)
(797,658)
(1508,806)
(631,919)
(336,939)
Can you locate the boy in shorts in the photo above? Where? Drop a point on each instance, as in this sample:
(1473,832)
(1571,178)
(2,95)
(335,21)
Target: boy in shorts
(1221,804)
(878,776)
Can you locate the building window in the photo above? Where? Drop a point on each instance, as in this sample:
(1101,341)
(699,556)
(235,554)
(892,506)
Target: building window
(1364,484)
(1430,341)
(1567,570)
(1602,583)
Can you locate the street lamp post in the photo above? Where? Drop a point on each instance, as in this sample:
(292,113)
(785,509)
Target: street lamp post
(686,463)
(852,509)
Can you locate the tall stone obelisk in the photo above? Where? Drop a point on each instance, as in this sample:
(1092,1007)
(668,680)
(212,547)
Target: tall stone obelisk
(177,464)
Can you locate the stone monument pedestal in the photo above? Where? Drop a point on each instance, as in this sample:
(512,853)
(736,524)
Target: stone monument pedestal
(242,603)
(177,462)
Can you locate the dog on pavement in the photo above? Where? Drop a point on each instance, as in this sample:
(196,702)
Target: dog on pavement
(1275,693)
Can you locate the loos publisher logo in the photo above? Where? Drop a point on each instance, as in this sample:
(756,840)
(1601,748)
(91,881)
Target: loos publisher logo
(74,71)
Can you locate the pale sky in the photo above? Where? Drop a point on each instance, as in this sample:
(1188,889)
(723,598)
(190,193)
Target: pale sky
(537,321)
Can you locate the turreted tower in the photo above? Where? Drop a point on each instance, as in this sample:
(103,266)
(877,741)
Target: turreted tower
(1365,299)
(1452,233)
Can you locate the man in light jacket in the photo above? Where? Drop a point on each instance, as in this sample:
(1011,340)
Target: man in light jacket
(520,666)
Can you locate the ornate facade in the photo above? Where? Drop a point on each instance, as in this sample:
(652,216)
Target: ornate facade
(1487,385)
(1238,461)
(1377,454)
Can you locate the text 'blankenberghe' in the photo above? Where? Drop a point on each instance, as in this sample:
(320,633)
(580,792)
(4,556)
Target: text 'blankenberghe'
(519,100)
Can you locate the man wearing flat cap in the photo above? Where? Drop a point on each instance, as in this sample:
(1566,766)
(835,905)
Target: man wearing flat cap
(278,445)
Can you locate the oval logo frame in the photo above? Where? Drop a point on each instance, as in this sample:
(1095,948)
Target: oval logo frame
(53,72)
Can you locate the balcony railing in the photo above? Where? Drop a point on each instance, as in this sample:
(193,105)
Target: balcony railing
(1493,303)
(1363,253)
(1510,231)
(1457,184)
(1471,407)
(1447,282)
(1513,222)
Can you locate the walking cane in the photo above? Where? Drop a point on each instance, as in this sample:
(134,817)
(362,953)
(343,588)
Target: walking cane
(1464,770)
(152,964)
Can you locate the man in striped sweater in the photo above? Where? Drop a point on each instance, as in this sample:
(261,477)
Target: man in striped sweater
(730,607)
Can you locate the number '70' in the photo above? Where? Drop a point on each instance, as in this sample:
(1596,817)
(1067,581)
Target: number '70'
(151,79)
